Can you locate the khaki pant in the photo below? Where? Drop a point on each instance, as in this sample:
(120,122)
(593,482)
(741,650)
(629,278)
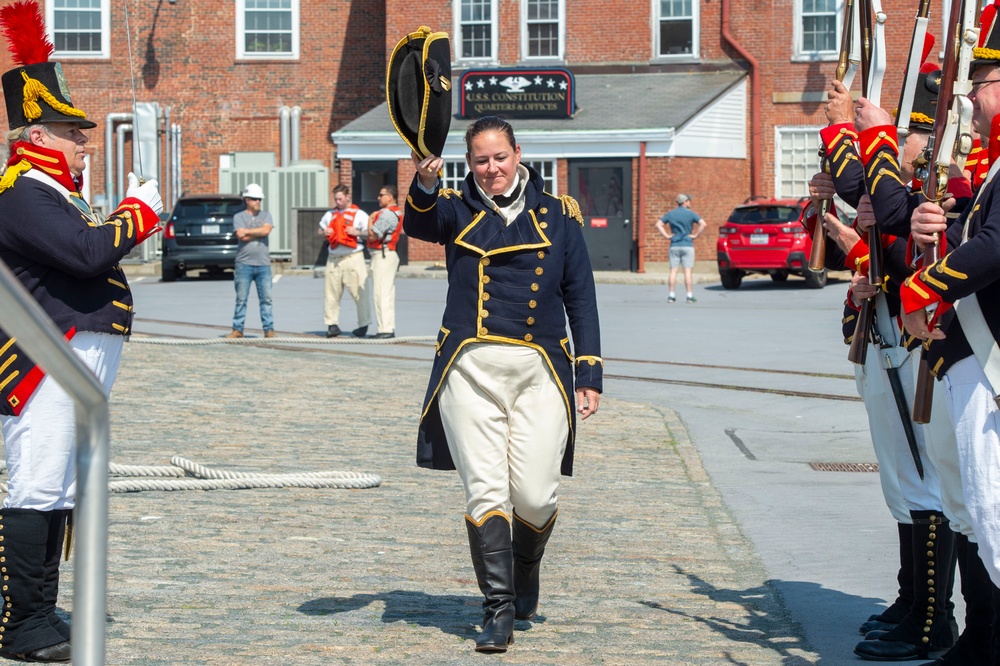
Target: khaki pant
(346,271)
(506,424)
(384,288)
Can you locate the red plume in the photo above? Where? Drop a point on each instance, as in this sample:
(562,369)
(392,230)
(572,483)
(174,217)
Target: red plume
(928,45)
(23,26)
(986,23)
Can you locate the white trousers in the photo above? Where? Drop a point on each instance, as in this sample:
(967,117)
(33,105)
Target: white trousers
(506,424)
(384,288)
(349,271)
(40,444)
(902,487)
(942,451)
(977,431)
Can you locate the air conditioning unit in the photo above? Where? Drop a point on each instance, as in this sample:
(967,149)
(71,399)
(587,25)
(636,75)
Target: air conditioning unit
(304,184)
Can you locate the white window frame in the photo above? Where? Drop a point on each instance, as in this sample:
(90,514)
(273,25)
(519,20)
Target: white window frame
(243,54)
(799,54)
(455,172)
(695,33)
(104,53)
(560,54)
(492,58)
(809,165)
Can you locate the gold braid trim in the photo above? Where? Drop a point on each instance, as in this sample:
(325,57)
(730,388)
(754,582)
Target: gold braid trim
(572,208)
(921,118)
(983,53)
(13,172)
(33,89)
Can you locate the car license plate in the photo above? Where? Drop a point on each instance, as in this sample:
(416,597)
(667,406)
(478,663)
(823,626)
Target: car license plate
(214,229)
(758,239)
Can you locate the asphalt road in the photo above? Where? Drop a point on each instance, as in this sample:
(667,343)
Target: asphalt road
(759,378)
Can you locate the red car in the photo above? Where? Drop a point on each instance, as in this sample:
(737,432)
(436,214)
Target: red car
(767,236)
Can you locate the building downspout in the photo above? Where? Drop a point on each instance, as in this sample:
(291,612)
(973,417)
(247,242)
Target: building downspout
(296,138)
(640,217)
(111,201)
(755,119)
(284,114)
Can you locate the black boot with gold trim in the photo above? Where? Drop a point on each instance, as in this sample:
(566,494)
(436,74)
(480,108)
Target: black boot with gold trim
(926,628)
(493,561)
(53,555)
(25,630)
(894,614)
(529,546)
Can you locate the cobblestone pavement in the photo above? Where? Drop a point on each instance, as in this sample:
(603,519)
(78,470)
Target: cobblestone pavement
(646,565)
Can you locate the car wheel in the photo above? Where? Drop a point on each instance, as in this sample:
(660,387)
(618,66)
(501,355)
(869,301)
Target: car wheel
(169,273)
(816,280)
(731,279)
(779,276)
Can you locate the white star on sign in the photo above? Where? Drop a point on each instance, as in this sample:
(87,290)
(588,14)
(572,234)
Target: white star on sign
(480,83)
(563,85)
(551,83)
(468,85)
(538,80)
(493,80)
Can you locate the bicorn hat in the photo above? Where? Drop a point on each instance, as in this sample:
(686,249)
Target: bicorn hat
(418,90)
(35,91)
(987,52)
(925,97)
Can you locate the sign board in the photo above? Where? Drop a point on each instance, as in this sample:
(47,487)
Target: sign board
(598,221)
(518,93)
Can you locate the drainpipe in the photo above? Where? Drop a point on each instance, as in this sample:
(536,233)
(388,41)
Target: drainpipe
(109,163)
(175,160)
(755,119)
(283,120)
(120,132)
(168,202)
(640,217)
(296,135)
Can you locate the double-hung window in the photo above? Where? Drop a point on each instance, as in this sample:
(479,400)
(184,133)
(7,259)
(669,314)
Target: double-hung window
(267,29)
(79,28)
(543,30)
(676,28)
(817,29)
(477,30)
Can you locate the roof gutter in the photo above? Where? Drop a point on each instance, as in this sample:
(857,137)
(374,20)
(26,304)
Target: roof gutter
(755,119)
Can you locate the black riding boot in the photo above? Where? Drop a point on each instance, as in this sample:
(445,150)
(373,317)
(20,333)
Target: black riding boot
(892,615)
(926,627)
(529,546)
(493,562)
(26,632)
(973,646)
(53,555)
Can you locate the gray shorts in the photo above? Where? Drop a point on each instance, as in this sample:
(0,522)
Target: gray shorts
(682,257)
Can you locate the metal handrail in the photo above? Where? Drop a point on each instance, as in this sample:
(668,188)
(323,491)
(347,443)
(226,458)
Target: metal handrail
(21,317)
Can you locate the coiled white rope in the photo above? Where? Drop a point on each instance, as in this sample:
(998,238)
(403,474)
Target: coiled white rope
(281,340)
(184,474)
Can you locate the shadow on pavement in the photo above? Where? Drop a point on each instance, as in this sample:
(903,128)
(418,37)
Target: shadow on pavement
(457,615)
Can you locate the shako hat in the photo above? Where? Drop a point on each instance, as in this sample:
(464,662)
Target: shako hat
(925,97)
(987,52)
(418,90)
(35,91)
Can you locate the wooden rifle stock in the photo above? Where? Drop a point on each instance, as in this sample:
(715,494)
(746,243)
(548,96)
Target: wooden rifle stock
(817,254)
(863,327)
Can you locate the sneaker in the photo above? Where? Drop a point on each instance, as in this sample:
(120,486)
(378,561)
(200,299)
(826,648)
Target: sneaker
(692,299)
(360,332)
(671,299)
(332,331)
(234,334)
(270,334)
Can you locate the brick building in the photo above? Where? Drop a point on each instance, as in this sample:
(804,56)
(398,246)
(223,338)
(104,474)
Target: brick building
(720,100)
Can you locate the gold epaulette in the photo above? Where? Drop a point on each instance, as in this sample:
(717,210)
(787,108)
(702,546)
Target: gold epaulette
(12,174)
(571,207)
(446,192)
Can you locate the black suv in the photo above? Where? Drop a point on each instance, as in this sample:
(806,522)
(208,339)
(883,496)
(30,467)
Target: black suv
(199,234)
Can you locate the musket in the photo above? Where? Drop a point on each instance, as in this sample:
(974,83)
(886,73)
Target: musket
(847,67)
(871,76)
(951,140)
(918,49)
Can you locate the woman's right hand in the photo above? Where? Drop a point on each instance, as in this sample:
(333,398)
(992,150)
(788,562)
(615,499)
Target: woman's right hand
(427,169)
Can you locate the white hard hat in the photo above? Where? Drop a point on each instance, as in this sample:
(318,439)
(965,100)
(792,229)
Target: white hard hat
(253,191)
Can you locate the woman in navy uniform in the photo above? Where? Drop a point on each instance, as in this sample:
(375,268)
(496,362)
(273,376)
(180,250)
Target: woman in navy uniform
(500,406)
(67,256)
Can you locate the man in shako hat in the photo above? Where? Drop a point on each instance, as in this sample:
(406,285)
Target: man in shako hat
(66,256)
(954,302)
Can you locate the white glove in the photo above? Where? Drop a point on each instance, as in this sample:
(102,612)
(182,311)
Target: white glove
(148,192)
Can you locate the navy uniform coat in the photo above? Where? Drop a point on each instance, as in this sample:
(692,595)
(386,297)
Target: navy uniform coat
(509,284)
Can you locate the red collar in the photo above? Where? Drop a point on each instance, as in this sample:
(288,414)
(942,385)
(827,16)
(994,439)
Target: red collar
(49,161)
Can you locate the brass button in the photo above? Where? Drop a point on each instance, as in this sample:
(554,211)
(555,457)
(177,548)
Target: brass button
(531,321)
(483,331)
(541,255)
(532,304)
(486,279)
(534,287)
(544,225)
(591,361)
(881,135)
(539,271)
(543,210)
(484,314)
(528,338)
(486,296)
(485,261)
